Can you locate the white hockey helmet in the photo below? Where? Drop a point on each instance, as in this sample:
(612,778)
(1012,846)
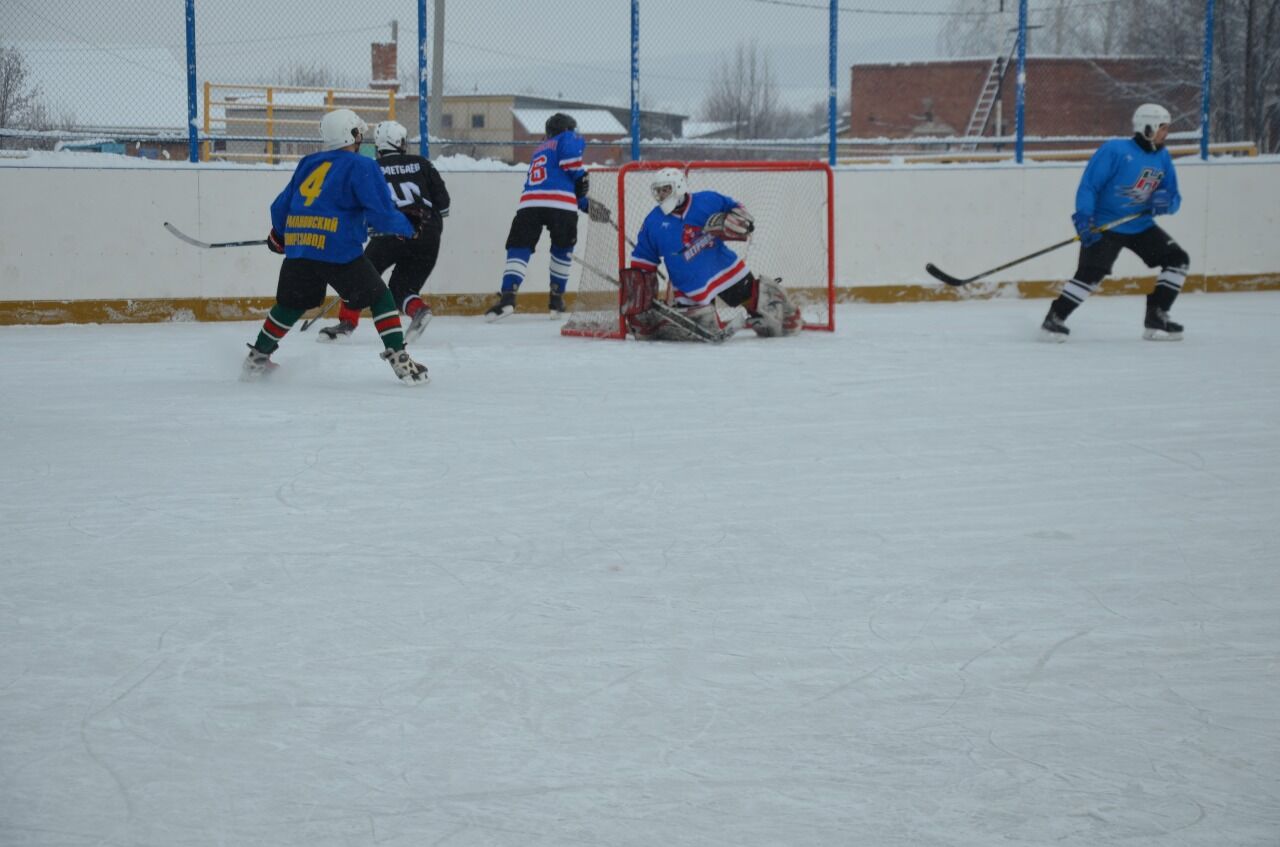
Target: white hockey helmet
(673,180)
(1148,118)
(390,137)
(340,128)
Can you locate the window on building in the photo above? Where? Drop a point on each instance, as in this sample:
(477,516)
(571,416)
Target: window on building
(446,121)
(477,121)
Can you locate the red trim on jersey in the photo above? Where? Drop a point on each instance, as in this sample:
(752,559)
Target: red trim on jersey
(718,283)
(644,265)
(567,196)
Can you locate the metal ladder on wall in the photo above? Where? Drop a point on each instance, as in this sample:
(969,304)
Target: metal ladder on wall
(990,91)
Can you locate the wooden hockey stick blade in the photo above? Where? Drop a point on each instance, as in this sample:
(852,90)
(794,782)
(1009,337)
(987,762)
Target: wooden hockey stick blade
(326,310)
(207,245)
(936,272)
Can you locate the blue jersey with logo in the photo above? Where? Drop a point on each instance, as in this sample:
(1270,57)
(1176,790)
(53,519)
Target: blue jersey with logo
(1119,181)
(554,167)
(322,212)
(700,265)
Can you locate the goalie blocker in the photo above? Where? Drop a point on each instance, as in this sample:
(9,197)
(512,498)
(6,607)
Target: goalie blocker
(771,313)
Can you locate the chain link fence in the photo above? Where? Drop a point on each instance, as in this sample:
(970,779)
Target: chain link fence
(858,80)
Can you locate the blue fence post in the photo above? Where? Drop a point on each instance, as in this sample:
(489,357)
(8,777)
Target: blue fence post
(1206,83)
(1022,82)
(424,87)
(635,80)
(833,117)
(193,135)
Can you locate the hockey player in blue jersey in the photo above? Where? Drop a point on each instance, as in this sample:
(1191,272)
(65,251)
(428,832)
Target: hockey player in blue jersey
(687,232)
(1127,175)
(319,223)
(555,190)
(421,195)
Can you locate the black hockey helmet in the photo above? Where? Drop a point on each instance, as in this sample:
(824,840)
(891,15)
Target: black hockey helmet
(558,123)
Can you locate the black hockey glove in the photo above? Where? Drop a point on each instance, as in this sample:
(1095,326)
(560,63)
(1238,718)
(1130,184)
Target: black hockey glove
(274,242)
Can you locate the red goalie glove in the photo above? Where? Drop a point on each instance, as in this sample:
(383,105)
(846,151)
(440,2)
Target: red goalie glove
(734,225)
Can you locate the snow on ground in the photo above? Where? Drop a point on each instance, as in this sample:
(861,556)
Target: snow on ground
(925,581)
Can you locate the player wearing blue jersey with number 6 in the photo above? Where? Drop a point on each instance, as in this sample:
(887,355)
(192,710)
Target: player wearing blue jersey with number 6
(320,222)
(687,232)
(555,190)
(1124,177)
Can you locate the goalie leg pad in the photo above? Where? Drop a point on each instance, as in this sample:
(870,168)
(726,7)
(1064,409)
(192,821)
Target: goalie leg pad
(639,290)
(774,314)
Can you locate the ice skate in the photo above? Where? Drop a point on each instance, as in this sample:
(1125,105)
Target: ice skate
(407,370)
(506,305)
(1157,326)
(340,331)
(256,365)
(417,325)
(1054,328)
(555,306)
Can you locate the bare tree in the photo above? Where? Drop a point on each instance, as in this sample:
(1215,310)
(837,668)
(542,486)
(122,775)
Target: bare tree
(743,93)
(309,74)
(977,27)
(22,106)
(1057,27)
(19,98)
(1246,67)
(1246,72)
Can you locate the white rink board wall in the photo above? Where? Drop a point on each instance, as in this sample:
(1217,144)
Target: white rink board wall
(95,233)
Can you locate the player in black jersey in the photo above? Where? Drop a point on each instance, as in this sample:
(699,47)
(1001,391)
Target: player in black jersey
(420,193)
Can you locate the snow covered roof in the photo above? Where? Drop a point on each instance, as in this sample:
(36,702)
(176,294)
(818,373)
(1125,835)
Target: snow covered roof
(108,85)
(590,121)
(700,129)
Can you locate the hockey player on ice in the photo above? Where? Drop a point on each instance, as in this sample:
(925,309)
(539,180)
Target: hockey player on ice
(1124,176)
(420,193)
(555,190)
(319,223)
(687,232)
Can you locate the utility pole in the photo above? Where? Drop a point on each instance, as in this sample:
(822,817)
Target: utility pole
(437,71)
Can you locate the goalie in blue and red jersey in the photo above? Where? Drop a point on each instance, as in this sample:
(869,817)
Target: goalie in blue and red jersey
(555,190)
(687,232)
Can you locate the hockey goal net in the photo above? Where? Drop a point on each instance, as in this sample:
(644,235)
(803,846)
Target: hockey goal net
(793,239)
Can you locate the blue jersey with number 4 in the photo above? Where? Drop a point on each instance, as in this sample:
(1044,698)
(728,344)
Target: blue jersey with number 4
(554,167)
(700,265)
(1119,181)
(325,211)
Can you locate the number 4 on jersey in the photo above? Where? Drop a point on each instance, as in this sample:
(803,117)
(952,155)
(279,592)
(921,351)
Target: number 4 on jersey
(311,186)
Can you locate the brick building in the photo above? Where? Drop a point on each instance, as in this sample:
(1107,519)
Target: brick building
(1065,96)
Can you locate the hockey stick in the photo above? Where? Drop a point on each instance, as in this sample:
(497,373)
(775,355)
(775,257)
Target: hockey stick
(327,309)
(669,312)
(210,245)
(942,275)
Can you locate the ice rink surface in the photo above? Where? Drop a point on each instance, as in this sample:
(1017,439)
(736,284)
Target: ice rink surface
(925,581)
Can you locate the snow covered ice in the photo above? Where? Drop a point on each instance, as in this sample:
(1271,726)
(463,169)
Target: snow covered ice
(926,581)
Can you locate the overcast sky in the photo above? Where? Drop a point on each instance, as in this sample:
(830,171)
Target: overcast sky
(578,49)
